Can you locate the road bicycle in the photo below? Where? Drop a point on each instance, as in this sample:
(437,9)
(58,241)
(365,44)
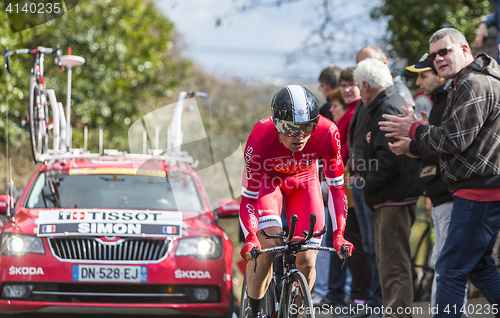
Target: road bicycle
(294,286)
(40,108)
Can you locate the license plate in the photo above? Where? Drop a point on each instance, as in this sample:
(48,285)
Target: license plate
(103,273)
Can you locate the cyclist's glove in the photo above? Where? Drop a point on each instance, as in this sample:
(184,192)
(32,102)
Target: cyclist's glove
(338,241)
(251,242)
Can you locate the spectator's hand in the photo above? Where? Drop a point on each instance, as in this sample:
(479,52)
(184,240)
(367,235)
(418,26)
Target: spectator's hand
(424,120)
(409,111)
(400,147)
(351,181)
(482,32)
(398,125)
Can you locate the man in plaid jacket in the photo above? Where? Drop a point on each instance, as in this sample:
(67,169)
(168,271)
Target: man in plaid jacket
(468,145)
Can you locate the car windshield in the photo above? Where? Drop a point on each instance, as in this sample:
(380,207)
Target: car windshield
(57,189)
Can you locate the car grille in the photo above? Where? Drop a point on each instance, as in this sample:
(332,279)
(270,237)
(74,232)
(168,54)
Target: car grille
(123,250)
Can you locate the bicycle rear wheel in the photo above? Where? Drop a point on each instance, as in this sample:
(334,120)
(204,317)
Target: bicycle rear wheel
(268,302)
(296,291)
(35,124)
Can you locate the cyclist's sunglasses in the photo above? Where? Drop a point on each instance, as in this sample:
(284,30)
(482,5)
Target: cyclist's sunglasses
(442,52)
(291,129)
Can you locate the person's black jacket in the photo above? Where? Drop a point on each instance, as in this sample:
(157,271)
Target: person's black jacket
(389,177)
(324,110)
(434,186)
(357,138)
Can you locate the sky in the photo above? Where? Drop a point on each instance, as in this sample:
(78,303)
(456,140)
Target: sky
(256,44)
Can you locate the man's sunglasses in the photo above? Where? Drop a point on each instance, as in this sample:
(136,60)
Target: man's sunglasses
(442,52)
(291,129)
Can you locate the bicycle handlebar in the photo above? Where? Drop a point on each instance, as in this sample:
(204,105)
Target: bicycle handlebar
(302,248)
(297,245)
(34,52)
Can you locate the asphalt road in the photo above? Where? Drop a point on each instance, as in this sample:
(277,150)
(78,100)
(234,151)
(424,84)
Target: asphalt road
(421,310)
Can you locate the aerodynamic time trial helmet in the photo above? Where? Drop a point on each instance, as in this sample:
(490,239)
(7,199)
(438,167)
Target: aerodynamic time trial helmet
(295,111)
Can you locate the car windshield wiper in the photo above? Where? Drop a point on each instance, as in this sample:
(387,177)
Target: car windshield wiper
(44,198)
(114,178)
(54,197)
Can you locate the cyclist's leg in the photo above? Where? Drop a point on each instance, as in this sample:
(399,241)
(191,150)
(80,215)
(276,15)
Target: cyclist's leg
(303,197)
(305,263)
(269,213)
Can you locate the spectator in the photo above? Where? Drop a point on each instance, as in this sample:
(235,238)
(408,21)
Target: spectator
(436,189)
(328,80)
(359,265)
(376,52)
(482,30)
(337,106)
(391,187)
(469,156)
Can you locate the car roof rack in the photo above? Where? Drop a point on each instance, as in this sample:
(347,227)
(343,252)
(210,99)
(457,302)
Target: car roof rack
(172,155)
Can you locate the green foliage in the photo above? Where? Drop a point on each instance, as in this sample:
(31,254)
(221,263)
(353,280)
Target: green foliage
(411,23)
(130,62)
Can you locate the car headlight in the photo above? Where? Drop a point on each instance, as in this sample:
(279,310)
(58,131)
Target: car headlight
(200,247)
(14,244)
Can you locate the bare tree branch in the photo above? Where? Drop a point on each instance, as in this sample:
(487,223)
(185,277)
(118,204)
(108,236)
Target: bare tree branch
(335,36)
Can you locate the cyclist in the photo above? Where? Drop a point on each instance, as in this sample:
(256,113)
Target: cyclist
(280,162)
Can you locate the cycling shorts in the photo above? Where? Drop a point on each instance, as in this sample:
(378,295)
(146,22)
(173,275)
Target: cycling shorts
(301,194)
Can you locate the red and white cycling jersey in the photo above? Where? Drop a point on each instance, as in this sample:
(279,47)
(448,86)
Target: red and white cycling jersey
(271,173)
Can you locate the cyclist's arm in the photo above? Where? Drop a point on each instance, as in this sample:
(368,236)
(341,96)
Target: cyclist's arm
(249,220)
(337,200)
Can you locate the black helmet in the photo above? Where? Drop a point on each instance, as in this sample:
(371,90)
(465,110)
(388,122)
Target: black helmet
(294,111)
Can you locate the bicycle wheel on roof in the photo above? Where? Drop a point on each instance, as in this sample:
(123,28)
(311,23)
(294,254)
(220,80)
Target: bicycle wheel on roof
(36,124)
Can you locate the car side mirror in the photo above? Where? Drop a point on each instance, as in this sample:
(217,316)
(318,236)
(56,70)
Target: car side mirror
(5,203)
(228,208)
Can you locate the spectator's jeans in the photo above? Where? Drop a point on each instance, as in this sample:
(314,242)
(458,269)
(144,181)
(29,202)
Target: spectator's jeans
(467,254)
(365,217)
(441,215)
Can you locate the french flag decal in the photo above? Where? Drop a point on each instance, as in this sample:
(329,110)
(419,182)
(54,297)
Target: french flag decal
(169,229)
(48,229)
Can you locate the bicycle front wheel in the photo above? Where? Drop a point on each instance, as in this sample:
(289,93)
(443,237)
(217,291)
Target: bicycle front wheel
(296,300)
(36,125)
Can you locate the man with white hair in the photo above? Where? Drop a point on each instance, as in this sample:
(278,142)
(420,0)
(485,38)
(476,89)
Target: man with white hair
(376,52)
(391,187)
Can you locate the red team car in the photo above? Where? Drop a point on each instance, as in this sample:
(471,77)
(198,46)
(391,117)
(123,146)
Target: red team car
(115,234)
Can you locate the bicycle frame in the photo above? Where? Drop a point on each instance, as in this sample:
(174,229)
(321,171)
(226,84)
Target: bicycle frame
(289,250)
(38,108)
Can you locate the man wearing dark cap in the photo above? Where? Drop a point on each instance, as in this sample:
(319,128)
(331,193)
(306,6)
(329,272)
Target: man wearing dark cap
(436,189)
